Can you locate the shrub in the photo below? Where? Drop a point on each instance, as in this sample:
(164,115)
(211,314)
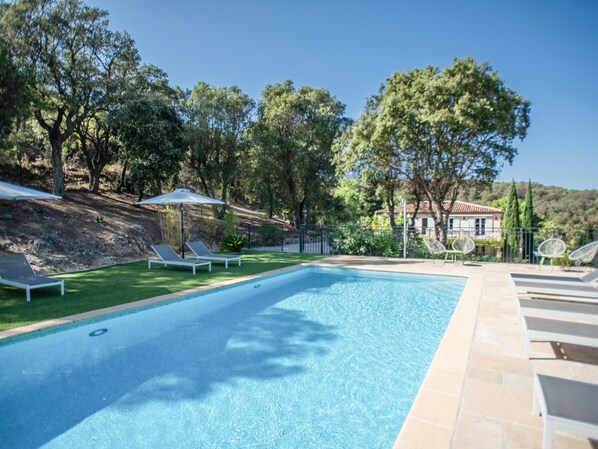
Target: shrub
(229,223)
(233,243)
(269,234)
(361,240)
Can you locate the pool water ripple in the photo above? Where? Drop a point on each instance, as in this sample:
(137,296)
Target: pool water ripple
(317,358)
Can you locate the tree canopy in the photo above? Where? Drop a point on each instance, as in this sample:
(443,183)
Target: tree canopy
(216,121)
(79,91)
(152,133)
(292,139)
(443,129)
(75,61)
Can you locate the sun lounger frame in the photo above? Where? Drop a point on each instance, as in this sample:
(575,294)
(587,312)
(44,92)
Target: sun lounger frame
(172,261)
(550,398)
(26,279)
(208,255)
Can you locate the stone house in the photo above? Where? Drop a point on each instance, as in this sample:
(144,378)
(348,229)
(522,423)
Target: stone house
(478,222)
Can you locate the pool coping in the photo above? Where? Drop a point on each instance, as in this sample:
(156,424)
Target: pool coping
(433,415)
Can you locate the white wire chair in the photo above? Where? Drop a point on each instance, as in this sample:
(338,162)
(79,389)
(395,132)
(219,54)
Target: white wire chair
(461,245)
(464,246)
(552,248)
(584,254)
(434,247)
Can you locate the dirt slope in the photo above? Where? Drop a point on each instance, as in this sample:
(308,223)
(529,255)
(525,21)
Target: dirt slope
(84,231)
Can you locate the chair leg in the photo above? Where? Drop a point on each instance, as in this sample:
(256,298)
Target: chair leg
(547,438)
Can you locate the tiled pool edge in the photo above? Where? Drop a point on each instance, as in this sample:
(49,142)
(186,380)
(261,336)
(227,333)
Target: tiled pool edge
(433,416)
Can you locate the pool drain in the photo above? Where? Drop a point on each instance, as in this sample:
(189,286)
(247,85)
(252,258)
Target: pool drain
(98,332)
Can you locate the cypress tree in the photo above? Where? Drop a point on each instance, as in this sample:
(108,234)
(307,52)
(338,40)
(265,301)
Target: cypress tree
(527,222)
(511,223)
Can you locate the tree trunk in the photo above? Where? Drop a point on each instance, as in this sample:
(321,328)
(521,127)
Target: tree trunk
(222,209)
(390,203)
(57,168)
(302,216)
(94,180)
(294,203)
(270,202)
(439,222)
(123,176)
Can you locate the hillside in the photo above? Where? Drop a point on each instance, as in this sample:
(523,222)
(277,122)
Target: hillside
(562,207)
(84,230)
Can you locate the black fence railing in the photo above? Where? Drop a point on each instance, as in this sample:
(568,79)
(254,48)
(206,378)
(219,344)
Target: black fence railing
(501,245)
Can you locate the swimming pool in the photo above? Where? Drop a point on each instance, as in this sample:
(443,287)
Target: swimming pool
(329,358)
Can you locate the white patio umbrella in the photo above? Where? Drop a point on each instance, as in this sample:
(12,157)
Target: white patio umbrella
(181,197)
(10,191)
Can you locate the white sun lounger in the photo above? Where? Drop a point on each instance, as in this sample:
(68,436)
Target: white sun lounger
(542,329)
(167,256)
(577,289)
(559,310)
(16,272)
(200,251)
(566,406)
(588,278)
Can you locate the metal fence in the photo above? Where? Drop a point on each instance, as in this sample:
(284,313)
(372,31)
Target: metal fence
(516,245)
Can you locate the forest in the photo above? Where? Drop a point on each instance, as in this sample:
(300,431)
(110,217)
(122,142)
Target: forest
(77,94)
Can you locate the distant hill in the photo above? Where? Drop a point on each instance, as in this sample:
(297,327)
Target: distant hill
(558,205)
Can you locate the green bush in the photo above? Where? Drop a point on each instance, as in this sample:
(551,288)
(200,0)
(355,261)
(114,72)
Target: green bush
(269,234)
(361,240)
(233,243)
(230,225)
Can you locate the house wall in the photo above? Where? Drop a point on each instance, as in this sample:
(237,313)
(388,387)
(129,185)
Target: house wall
(463,225)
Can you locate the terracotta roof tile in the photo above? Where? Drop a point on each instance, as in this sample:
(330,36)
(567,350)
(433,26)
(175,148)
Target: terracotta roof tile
(459,208)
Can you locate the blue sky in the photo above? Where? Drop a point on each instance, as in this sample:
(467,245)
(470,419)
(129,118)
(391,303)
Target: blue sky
(545,50)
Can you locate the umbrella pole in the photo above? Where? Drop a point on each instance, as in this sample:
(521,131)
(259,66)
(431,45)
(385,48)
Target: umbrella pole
(182,234)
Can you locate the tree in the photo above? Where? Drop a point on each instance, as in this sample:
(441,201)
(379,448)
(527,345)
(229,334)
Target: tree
(215,134)
(529,221)
(152,133)
(375,162)
(449,129)
(294,131)
(14,94)
(511,222)
(95,135)
(74,59)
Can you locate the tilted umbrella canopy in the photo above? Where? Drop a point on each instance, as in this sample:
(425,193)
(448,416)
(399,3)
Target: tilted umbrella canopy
(181,197)
(10,191)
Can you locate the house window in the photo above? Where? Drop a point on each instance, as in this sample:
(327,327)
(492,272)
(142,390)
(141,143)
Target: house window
(424,225)
(480,226)
(451,224)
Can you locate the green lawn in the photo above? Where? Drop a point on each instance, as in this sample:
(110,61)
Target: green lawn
(90,290)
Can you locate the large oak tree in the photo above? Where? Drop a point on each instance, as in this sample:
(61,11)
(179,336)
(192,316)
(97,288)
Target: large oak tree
(444,129)
(293,136)
(76,63)
(216,121)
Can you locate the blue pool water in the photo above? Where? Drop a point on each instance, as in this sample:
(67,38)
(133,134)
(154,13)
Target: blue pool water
(317,358)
